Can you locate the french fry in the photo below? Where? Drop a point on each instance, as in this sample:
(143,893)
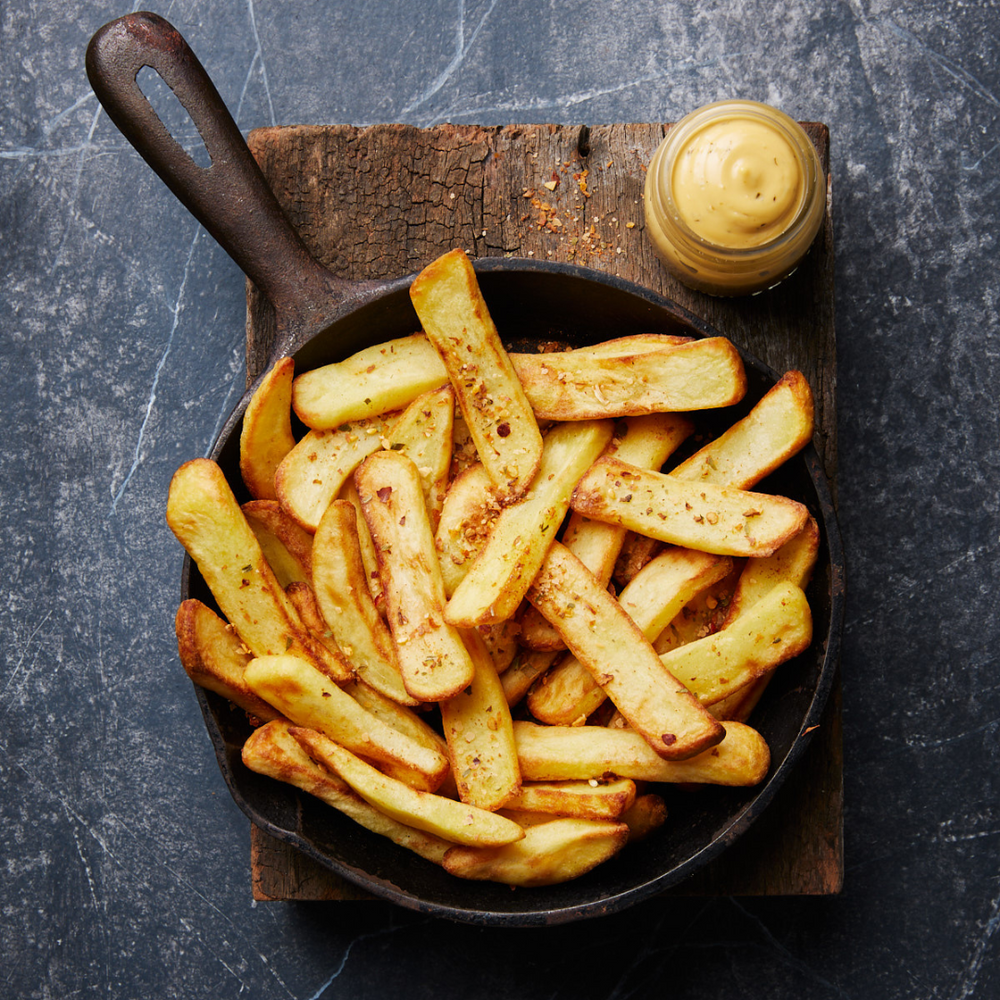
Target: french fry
(214,657)
(703,374)
(766,635)
(206,519)
(349,492)
(501,641)
(286,545)
(527,667)
(480,734)
(700,515)
(304,601)
(266,435)
(432,658)
(647,813)
(637,550)
(423,433)
(583,799)
(569,693)
(309,698)
(645,441)
(550,853)
(777,428)
(636,343)
(470,506)
(609,644)
(374,381)
(450,305)
(565,753)
(314,471)
(455,821)
(346,604)
(272,750)
(521,534)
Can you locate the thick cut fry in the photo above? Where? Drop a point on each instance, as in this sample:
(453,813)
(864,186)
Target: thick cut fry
(376,380)
(304,601)
(423,433)
(214,657)
(431,655)
(606,641)
(777,428)
(455,821)
(346,604)
(450,305)
(521,534)
(349,492)
(636,343)
(703,374)
(583,799)
(315,470)
(562,753)
(309,698)
(550,853)
(286,545)
(480,734)
(527,667)
(647,813)
(470,507)
(792,563)
(645,441)
(266,436)
(568,693)
(774,630)
(703,516)
(204,515)
(273,751)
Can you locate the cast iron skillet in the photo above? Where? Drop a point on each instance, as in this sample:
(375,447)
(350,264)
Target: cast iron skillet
(322,319)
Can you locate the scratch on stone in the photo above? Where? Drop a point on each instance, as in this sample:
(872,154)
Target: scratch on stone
(258,55)
(151,401)
(966,986)
(461,49)
(84,150)
(21,659)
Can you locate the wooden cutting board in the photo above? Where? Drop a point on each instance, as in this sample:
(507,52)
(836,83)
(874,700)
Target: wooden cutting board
(383,201)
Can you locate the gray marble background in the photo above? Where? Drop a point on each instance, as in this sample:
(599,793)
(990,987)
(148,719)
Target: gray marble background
(124,861)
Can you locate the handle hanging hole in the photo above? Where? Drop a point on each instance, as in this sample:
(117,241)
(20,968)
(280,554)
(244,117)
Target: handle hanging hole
(173,115)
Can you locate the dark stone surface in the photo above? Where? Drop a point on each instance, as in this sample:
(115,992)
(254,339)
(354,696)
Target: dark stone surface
(125,863)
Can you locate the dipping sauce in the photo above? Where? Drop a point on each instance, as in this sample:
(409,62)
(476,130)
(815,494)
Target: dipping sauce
(734,197)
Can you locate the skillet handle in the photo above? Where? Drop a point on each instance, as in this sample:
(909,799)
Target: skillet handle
(231,197)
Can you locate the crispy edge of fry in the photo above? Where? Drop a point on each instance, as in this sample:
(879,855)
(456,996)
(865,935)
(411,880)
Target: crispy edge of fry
(455,821)
(480,734)
(375,380)
(268,518)
(213,656)
(515,548)
(527,667)
(275,753)
(304,601)
(369,560)
(469,507)
(310,699)
(561,753)
(589,799)
(346,605)
(456,319)
(635,343)
(647,814)
(778,427)
(621,659)
(719,519)
(771,632)
(549,853)
(433,660)
(266,435)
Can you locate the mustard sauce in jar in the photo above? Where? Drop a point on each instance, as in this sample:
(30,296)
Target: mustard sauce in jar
(734,197)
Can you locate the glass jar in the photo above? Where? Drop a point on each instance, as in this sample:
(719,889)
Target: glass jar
(734,197)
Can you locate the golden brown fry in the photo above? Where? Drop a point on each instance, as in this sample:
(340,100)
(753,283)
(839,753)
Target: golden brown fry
(455,821)
(376,380)
(304,601)
(266,435)
(480,735)
(609,644)
(647,813)
(309,698)
(470,507)
(450,305)
(700,515)
(521,534)
(703,374)
(214,657)
(552,852)
(527,667)
(315,470)
(777,428)
(591,799)
(432,658)
(636,343)
(349,492)
(347,606)
(766,635)
(287,546)
(562,753)
(273,751)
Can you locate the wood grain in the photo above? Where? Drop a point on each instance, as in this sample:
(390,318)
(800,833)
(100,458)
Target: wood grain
(383,201)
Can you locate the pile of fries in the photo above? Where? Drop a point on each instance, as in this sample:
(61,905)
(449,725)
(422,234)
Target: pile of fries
(477,608)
